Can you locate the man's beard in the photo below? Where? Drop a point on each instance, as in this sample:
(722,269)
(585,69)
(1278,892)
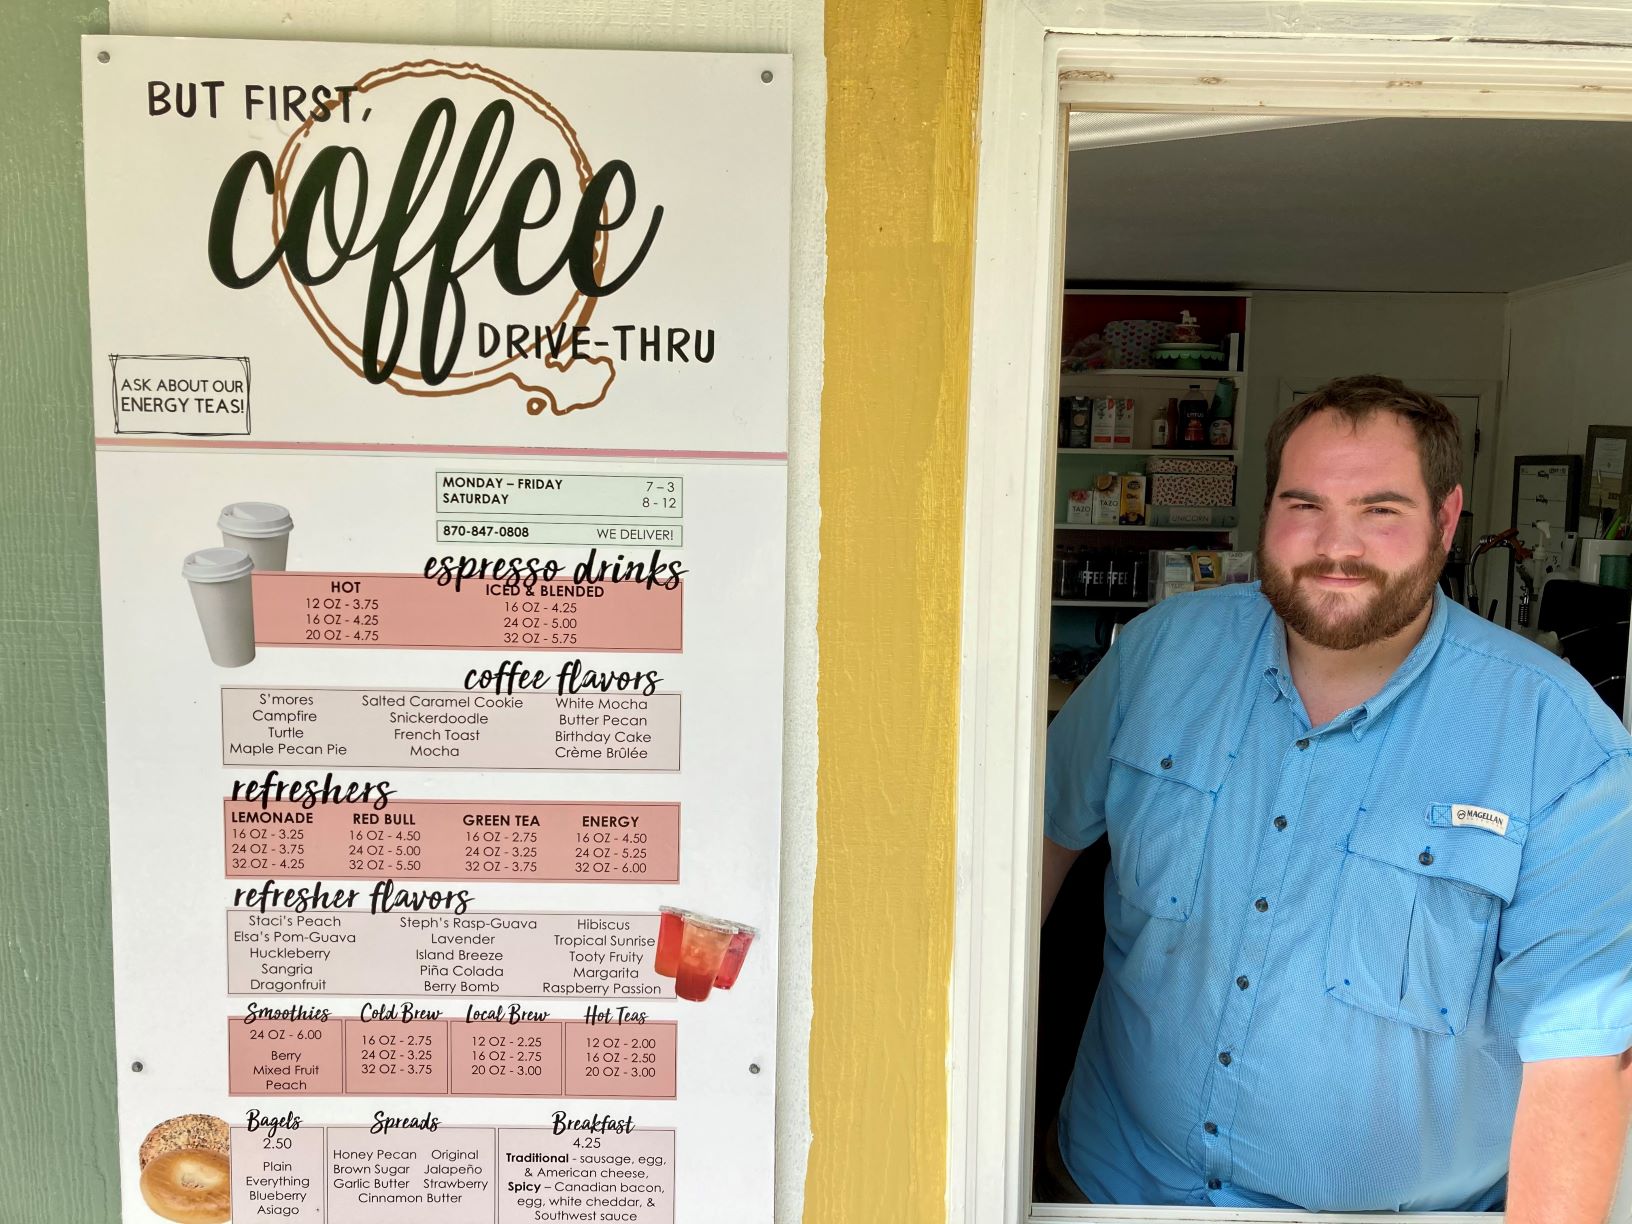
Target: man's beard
(1398,601)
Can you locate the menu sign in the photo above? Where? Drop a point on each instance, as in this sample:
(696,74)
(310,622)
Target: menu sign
(441,430)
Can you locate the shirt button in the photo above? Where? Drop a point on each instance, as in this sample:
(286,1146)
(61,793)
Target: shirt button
(1214,1184)
(1242,983)
(1167,762)
(1280,822)
(1260,905)
(1303,744)
(1210,1127)
(1224,1057)
(1426,859)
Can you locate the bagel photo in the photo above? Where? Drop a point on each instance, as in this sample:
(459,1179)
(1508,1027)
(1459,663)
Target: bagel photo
(186,1175)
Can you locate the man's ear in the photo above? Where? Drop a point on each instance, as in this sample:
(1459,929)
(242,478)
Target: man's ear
(1449,514)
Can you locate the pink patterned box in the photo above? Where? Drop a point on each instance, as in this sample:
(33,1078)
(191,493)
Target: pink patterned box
(1171,490)
(1132,341)
(1175,465)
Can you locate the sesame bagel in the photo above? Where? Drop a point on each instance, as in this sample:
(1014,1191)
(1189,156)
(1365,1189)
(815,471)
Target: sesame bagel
(204,1132)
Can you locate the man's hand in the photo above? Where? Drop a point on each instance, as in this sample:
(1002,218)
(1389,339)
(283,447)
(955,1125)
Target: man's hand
(1568,1136)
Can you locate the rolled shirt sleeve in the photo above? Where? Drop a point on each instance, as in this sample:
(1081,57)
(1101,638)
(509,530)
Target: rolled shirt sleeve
(1563,983)
(1078,763)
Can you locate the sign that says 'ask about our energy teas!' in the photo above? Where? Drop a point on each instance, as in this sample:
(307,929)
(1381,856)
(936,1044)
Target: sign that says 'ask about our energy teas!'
(440,406)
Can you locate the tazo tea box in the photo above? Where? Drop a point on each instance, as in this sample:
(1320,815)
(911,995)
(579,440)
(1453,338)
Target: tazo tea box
(1104,424)
(1124,424)
(1079,506)
(1107,497)
(1133,499)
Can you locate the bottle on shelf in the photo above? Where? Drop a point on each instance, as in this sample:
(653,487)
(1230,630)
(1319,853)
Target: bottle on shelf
(1164,428)
(1193,418)
(1221,416)
(1079,413)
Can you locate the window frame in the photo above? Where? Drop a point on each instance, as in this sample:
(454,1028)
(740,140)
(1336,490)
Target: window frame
(1038,62)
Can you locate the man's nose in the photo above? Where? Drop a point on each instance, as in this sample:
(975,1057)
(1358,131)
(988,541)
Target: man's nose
(1339,538)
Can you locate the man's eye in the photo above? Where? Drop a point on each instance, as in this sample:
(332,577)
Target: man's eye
(1388,511)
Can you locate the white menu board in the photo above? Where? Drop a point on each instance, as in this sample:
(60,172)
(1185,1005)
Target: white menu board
(441,426)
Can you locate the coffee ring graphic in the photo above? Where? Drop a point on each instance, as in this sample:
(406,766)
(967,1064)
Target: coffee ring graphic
(408,381)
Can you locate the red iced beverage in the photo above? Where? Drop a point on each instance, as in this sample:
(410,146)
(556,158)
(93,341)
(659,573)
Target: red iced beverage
(702,948)
(735,953)
(670,922)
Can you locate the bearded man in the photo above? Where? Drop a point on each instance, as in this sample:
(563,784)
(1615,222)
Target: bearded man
(1369,910)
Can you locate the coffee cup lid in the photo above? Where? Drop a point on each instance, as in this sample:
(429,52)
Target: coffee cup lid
(216,565)
(254,519)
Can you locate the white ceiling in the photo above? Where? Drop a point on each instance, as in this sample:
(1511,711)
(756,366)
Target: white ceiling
(1410,205)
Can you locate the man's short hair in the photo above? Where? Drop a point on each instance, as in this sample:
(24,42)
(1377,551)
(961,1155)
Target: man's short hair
(1357,399)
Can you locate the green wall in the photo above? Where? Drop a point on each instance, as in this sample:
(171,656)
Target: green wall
(58,1160)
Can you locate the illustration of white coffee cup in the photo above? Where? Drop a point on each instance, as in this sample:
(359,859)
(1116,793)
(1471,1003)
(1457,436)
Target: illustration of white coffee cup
(220,581)
(260,529)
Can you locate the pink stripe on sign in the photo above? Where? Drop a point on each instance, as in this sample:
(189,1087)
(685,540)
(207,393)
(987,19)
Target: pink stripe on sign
(406,610)
(414,448)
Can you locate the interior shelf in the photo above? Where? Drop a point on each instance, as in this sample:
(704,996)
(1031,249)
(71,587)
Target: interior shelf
(1102,603)
(1143,527)
(1198,453)
(1169,375)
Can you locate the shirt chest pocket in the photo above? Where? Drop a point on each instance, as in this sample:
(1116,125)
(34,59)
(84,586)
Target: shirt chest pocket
(1157,811)
(1413,935)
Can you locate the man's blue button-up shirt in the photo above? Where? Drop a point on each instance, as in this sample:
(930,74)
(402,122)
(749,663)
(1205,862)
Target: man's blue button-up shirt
(1330,949)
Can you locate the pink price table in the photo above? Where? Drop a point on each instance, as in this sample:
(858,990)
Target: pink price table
(407,610)
(447,839)
(416,1057)
(453,1174)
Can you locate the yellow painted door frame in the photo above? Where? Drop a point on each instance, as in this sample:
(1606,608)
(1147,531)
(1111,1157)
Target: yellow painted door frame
(902,90)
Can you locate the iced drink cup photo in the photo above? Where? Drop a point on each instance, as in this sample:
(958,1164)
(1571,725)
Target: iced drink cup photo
(702,949)
(260,529)
(670,924)
(220,582)
(735,953)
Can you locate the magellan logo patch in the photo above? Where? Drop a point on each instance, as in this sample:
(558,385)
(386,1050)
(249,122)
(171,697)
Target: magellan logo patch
(1483,818)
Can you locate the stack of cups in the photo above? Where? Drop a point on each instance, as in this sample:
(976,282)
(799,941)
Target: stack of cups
(219,579)
(260,529)
(700,952)
(254,536)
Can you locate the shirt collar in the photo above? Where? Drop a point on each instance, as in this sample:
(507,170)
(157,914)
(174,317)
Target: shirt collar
(1277,670)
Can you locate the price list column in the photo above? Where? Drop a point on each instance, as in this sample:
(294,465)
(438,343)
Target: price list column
(279,1173)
